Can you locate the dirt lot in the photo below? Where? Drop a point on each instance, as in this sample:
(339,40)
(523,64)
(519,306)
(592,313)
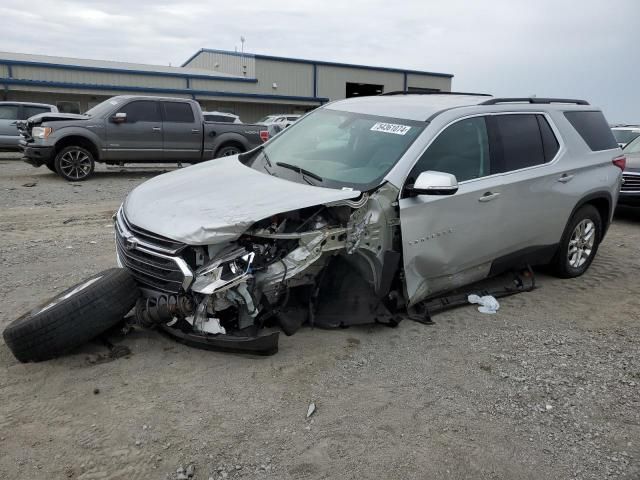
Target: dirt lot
(546,389)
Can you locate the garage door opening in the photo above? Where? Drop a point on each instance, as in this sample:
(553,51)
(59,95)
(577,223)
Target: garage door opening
(363,89)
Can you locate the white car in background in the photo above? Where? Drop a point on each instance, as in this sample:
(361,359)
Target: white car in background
(625,134)
(281,120)
(223,117)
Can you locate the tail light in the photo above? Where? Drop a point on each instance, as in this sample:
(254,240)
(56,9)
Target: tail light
(620,162)
(264,135)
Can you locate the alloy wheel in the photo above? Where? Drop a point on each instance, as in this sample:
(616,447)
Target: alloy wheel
(75,164)
(581,243)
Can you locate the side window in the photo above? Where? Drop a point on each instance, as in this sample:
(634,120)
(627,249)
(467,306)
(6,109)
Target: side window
(593,128)
(28,112)
(550,143)
(178,112)
(141,111)
(521,142)
(8,112)
(462,149)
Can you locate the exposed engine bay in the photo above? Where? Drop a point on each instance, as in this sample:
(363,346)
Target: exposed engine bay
(331,265)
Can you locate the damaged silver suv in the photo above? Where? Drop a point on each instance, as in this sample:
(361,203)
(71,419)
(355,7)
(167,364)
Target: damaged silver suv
(366,207)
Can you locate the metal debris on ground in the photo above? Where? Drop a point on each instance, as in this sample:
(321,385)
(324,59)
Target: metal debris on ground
(311,409)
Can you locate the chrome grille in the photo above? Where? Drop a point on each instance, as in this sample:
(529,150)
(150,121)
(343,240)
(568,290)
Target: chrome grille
(631,182)
(151,240)
(149,267)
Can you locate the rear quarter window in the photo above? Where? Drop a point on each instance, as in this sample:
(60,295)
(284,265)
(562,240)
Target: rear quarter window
(593,128)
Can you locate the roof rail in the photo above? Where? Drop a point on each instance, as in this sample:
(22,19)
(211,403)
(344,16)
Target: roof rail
(426,92)
(535,100)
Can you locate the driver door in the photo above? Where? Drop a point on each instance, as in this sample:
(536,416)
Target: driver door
(449,241)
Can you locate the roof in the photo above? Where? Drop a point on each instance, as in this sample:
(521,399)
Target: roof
(411,107)
(11,58)
(315,62)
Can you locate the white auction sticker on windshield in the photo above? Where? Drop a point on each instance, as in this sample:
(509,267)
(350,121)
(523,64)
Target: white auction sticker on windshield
(391,128)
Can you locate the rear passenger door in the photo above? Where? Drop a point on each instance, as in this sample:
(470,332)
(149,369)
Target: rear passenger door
(182,132)
(139,137)
(8,130)
(535,187)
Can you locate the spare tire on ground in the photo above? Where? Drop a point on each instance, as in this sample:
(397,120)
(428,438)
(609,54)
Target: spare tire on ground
(73,317)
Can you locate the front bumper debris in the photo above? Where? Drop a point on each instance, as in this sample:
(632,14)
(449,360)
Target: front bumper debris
(36,156)
(258,345)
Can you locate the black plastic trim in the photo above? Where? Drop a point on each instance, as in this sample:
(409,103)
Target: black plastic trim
(533,100)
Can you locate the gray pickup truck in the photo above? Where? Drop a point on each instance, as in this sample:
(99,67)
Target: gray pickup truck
(131,129)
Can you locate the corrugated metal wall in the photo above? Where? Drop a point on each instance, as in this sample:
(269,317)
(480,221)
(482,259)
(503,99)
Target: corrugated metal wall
(332,80)
(424,81)
(242,66)
(95,78)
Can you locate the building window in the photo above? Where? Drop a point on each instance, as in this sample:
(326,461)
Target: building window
(363,89)
(68,107)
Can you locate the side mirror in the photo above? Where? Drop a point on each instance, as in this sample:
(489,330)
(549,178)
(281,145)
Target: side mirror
(119,117)
(434,183)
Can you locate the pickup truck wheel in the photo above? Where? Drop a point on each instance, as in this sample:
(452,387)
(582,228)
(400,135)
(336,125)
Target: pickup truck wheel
(228,151)
(73,317)
(74,163)
(579,243)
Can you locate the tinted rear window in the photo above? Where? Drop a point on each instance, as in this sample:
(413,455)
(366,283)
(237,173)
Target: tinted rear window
(521,141)
(178,112)
(593,129)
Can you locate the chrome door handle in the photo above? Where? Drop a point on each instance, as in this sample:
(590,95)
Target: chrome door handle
(565,178)
(156,129)
(488,196)
(13,124)
(195,130)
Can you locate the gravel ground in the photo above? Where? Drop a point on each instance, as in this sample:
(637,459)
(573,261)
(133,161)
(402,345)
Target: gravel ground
(546,389)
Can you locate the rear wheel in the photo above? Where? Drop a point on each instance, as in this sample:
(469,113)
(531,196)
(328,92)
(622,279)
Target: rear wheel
(579,243)
(74,163)
(228,151)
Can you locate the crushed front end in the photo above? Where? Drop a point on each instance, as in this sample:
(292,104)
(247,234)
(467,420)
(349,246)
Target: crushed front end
(329,266)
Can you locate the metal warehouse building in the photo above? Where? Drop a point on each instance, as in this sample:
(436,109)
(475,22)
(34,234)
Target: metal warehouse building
(248,85)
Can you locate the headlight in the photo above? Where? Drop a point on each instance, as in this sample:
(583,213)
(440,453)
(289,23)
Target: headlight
(41,132)
(223,271)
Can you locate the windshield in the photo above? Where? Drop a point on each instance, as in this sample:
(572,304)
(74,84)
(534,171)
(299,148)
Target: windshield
(625,136)
(336,149)
(633,147)
(103,107)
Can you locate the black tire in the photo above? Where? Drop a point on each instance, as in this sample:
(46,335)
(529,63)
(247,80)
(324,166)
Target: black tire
(229,150)
(51,166)
(561,264)
(61,324)
(74,163)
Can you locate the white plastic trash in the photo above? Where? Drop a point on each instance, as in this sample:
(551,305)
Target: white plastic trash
(488,304)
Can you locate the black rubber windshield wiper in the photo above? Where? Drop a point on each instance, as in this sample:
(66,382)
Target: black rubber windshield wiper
(300,170)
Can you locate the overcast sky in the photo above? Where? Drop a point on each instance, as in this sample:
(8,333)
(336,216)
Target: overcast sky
(579,48)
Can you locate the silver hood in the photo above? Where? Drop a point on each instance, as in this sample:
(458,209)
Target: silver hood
(218,200)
